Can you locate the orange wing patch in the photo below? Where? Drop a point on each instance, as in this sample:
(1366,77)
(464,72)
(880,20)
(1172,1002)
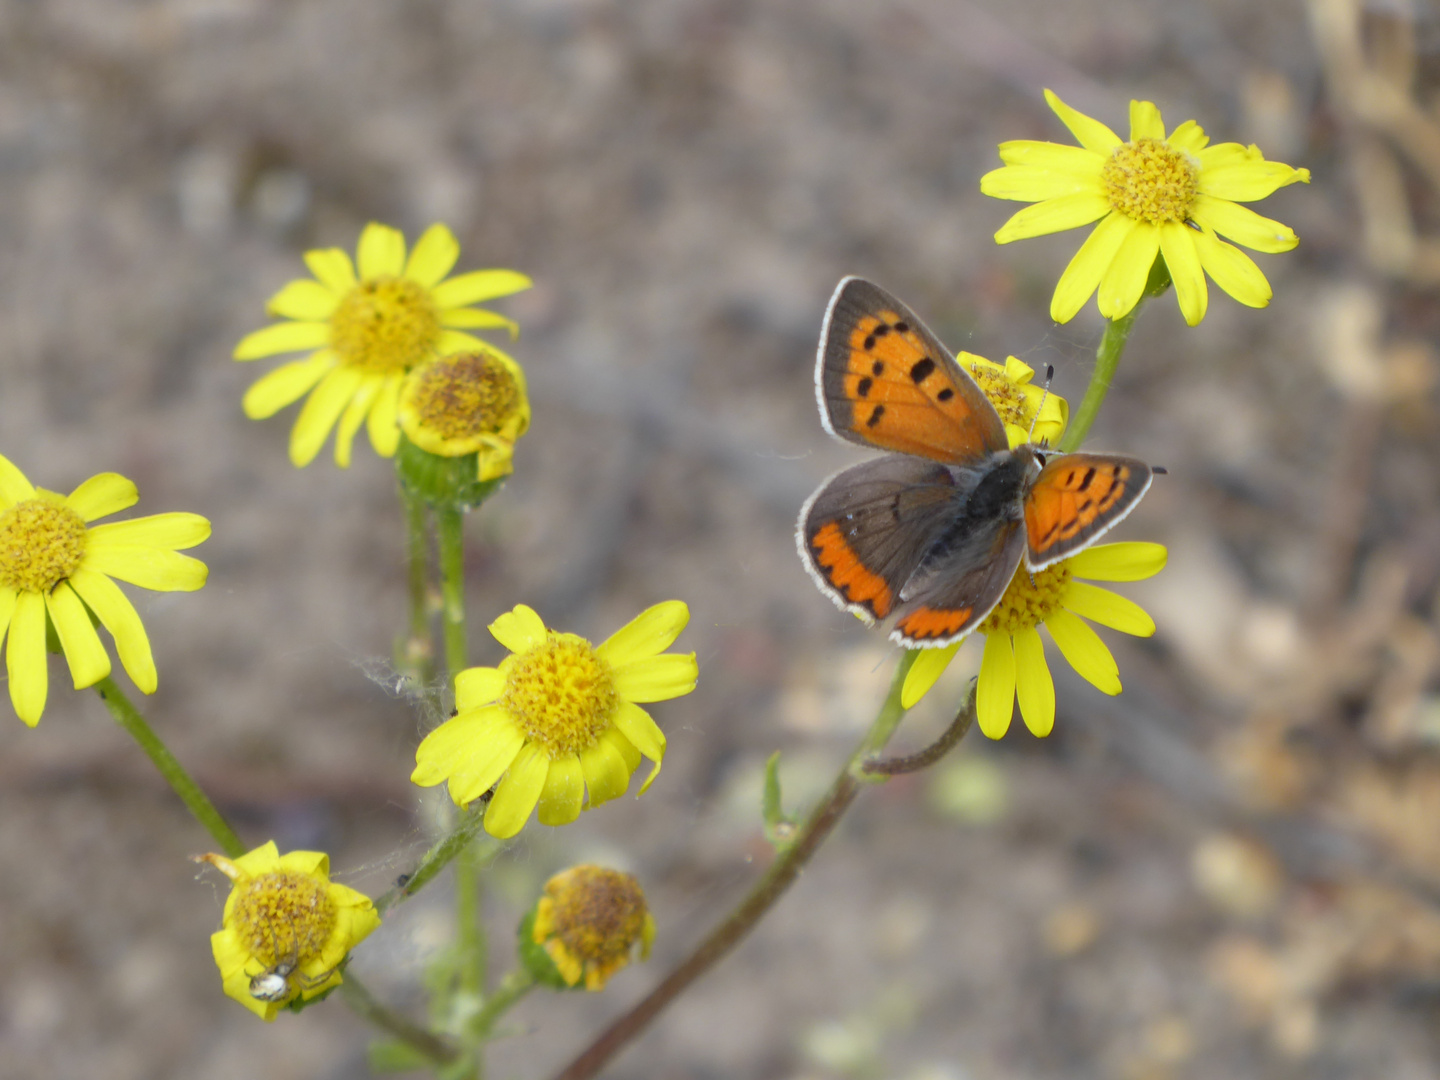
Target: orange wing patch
(928,624)
(1078,497)
(843,569)
(904,399)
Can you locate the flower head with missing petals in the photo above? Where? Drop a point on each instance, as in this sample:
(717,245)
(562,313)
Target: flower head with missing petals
(287,928)
(367,331)
(467,403)
(1030,413)
(558,718)
(589,923)
(56,568)
(1013,664)
(1172,196)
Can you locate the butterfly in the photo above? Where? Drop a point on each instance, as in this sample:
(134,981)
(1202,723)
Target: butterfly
(929,535)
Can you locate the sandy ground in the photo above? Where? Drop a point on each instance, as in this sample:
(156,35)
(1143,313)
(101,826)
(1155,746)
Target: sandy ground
(1229,871)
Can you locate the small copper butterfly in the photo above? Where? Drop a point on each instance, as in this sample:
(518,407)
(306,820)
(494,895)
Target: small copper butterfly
(931,534)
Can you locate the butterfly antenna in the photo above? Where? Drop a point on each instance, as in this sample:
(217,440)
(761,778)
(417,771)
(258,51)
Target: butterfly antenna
(1049,374)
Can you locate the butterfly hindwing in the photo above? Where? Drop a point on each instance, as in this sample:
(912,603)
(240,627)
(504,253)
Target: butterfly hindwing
(1076,499)
(869,527)
(961,588)
(884,380)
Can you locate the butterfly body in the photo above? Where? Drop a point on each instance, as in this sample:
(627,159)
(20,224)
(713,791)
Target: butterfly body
(931,533)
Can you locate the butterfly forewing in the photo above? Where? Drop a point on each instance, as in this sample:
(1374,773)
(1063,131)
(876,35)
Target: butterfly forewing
(868,528)
(1076,499)
(884,380)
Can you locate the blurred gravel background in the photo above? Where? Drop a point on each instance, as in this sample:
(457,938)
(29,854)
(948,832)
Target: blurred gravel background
(1232,870)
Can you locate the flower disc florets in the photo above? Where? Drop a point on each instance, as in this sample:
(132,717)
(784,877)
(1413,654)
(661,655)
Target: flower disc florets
(42,542)
(284,916)
(1150,181)
(464,396)
(561,694)
(589,921)
(1030,599)
(385,325)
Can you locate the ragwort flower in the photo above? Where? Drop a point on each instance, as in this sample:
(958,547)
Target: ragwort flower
(1013,665)
(557,717)
(467,403)
(287,928)
(367,332)
(1018,400)
(56,568)
(590,921)
(1173,196)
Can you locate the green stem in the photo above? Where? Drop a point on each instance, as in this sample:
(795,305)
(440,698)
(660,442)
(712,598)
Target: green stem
(1107,359)
(195,800)
(470,933)
(417,654)
(771,886)
(512,989)
(439,857)
(452,585)
(359,998)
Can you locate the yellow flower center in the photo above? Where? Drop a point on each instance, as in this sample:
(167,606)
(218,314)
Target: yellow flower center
(385,325)
(283,917)
(1150,181)
(42,542)
(561,693)
(597,914)
(1007,397)
(464,395)
(1029,600)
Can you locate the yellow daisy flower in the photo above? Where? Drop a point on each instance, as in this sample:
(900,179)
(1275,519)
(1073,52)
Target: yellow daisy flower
(467,403)
(557,717)
(1017,399)
(590,921)
(287,928)
(1173,196)
(56,568)
(367,332)
(1013,665)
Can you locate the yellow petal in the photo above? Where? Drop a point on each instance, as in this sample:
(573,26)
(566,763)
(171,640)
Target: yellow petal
(381,252)
(519,629)
(465,289)
(232,958)
(995,691)
(1034,688)
(260,860)
(1084,651)
(14,487)
(87,658)
(1054,156)
(434,256)
(1032,183)
(303,299)
(105,493)
(457,341)
(1233,270)
(1242,225)
(354,416)
(320,412)
(332,266)
(25,657)
(119,616)
(606,774)
(1082,277)
(1247,183)
(383,425)
(1189,138)
(1178,250)
(648,634)
(1089,133)
(286,385)
(929,665)
(563,793)
(1145,121)
(478,686)
(282,338)
(148,567)
(1124,281)
(1108,609)
(7,608)
(1054,215)
(657,678)
(478,319)
(1131,560)
(636,725)
(471,750)
(309,863)
(517,794)
(624,747)
(174,531)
